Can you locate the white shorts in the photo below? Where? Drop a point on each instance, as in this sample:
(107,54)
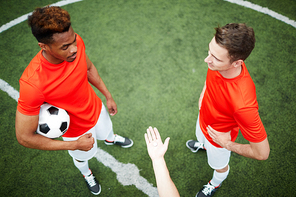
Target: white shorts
(218,158)
(99,132)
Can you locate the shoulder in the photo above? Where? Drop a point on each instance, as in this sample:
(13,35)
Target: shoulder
(247,86)
(33,67)
(79,40)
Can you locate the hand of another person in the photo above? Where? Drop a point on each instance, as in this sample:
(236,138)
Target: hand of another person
(156,149)
(85,142)
(221,138)
(112,107)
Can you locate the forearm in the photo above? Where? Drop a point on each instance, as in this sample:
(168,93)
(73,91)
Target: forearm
(241,149)
(36,141)
(259,151)
(95,79)
(204,89)
(202,95)
(165,185)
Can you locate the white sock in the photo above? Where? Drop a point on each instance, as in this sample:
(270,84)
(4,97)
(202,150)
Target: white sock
(218,178)
(82,166)
(111,136)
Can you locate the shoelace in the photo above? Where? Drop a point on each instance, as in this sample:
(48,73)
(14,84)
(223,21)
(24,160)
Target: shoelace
(118,138)
(208,189)
(91,181)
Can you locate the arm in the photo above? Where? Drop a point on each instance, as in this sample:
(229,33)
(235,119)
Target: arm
(202,95)
(95,79)
(25,127)
(165,185)
(259,151)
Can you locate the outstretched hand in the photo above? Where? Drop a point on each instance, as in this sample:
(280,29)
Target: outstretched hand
(156,149)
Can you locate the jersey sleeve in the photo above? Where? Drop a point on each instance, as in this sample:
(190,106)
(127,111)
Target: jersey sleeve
(30,99)
(250,124)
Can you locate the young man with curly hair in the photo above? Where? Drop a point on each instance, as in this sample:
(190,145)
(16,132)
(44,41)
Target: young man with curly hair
(60,74)
(228,103)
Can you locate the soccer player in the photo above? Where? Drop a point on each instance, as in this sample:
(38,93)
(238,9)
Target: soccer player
(156,150)
(228,103)
(60,75)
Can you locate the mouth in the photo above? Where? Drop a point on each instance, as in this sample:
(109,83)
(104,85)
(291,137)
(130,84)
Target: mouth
(73,56)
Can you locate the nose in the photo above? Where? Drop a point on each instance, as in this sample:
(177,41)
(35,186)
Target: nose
(207,59)
(73,49)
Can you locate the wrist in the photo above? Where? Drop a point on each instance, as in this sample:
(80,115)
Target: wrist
(108,96)
(73,145)
(158,161)
(228,145)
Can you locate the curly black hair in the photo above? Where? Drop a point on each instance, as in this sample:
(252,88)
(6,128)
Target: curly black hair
(46,21)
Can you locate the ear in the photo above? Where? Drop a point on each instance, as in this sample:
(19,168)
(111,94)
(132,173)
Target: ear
(43,46)
(237,63)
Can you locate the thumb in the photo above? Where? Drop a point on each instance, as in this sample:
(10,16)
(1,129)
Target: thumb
(166,142)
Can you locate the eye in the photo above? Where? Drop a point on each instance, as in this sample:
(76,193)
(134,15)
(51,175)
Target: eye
(65,48)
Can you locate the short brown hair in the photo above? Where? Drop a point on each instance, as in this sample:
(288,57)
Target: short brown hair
(237,38)
(46,21)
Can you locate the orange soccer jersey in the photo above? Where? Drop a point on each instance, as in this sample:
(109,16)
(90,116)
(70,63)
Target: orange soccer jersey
(230,105)
(64,85)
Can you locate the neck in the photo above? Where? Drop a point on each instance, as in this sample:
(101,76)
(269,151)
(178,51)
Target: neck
(50,58)
(232,72)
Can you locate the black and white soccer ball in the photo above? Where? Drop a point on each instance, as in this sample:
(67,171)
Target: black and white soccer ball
(53,121)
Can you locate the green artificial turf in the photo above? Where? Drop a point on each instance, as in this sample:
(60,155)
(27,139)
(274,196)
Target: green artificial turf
(150,55)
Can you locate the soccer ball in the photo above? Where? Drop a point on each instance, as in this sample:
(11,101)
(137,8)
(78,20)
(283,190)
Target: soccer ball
(53,121)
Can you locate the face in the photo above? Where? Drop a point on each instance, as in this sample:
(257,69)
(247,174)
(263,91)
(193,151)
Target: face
(218,59)
(64,47)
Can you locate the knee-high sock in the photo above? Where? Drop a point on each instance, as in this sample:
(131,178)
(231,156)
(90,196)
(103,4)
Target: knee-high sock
(82,167)
(218,178)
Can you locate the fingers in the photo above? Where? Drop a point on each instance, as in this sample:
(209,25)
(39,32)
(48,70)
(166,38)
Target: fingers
(166,142)
(211,132)
(113,111)
(152,134)
(146,139)
(157,135)
(88,135)
(152,131)
(149,136)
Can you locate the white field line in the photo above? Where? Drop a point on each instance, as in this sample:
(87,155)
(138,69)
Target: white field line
(25,17)
(13,93)
(264,10)
(127,174)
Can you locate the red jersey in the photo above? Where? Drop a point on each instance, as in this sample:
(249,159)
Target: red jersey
(64,85)
(231,104)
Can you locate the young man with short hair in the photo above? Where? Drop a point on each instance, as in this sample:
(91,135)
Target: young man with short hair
(228,103)
(60,75)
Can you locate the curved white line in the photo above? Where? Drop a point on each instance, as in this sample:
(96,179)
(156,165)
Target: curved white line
(264,11)
(127,174)
(25,16)
(13,93)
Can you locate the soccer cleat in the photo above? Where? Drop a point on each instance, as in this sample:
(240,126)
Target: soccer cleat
(207,190)
(124,142)
(194,145)
(93,184)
